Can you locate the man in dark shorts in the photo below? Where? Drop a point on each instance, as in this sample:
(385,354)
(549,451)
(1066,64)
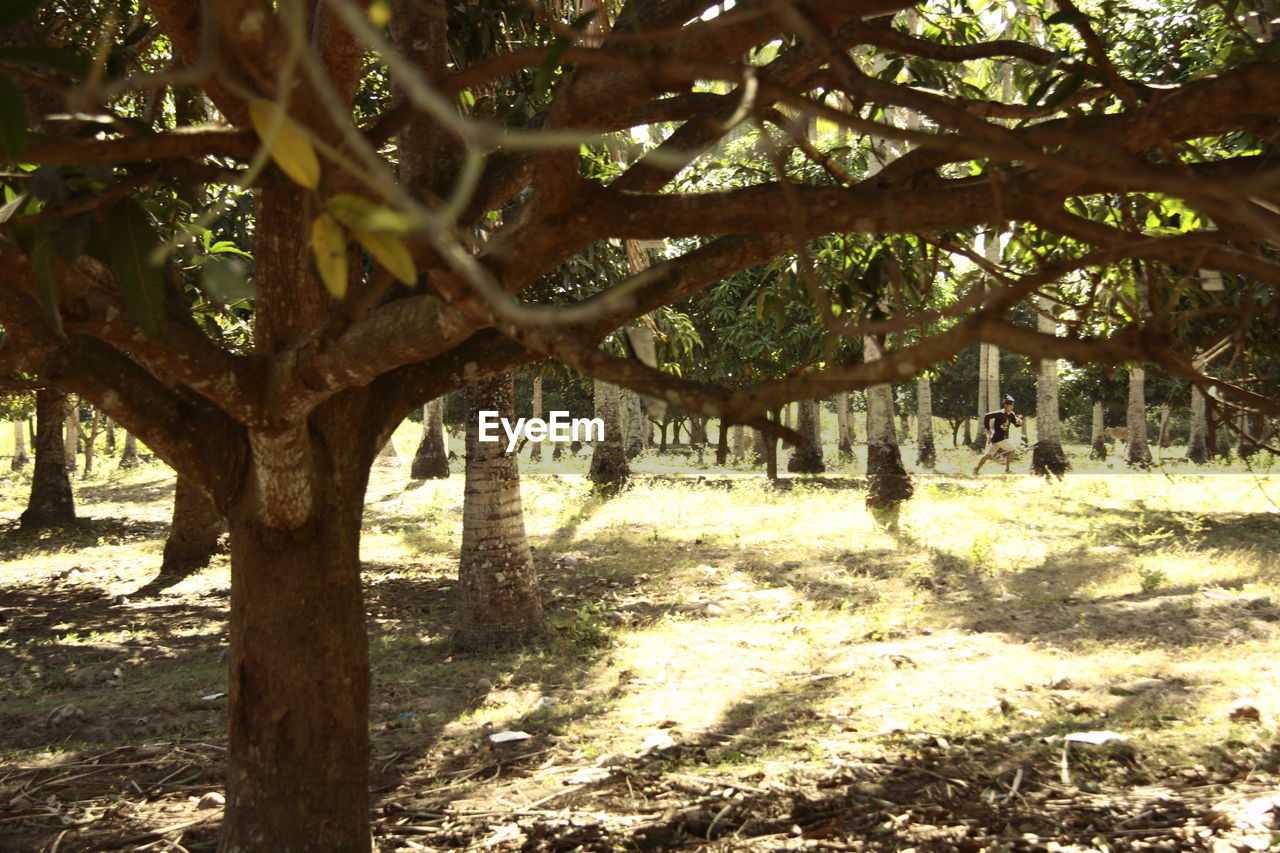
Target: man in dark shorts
(997,426)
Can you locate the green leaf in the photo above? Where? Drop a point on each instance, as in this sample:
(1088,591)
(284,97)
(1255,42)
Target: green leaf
(1067,16)
(11,207)
(13,121)
(130,242)
(16,11)
(44,268)
(67,61)
(1068,87)
(226,281)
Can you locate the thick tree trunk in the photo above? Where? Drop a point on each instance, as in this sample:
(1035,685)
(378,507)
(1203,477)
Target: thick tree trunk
(807,458)
(739,442)
(844,438)
(888,484)
(297,759)
(430,461)
(194,531)
(926,453)
(535,452)
(662,438)
(1139,452)
(111,436)
(1097,438)
(1047,457)
(1166,415)
(497,599)
(51,502)
(633,420)
(1253,434)
(757,455)
(722,444)
(20,458)
(609,468)
(129,458)
(388,455)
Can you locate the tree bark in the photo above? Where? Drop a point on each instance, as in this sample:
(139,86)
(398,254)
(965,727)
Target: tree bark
(535,452)
(51,503)
(72,434)
(722,444)
(889,484)
(430,461)
(1139,452)
(844,441)
(20,458)
(497,599)
(609,468)
(1253,434)
(129,458)
(739,442)
(1048,457)
(1098,439)
(807,458)
(757,447)
(194,531)
(926,453)
(771,449)
(1166,415)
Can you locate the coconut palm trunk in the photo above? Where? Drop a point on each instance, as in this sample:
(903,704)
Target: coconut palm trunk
(430,460)
(926,453)
(497,596)
(610,470)
(535,452)
(1097,438)
(1138,454)
(807,458)
(888,483)
(1166,415)
(1048,457)
(51,503)
(72,434)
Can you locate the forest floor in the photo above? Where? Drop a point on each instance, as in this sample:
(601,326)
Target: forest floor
(1026,666)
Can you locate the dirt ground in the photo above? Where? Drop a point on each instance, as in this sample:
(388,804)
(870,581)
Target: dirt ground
(1089,666)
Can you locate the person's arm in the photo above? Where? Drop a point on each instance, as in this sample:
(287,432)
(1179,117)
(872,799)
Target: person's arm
(986,421)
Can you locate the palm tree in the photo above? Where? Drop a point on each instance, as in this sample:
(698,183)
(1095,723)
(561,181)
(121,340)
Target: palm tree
(430,461)
(807,458)
(1047,457)
(926,453)
(497,597)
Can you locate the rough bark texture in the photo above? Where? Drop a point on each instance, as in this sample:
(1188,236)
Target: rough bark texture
(1139,452)
(51,502)
(1097,438)
(844,441)
(609,469)
(388,455)
(757,454)
(535,452)
(1047,457)
(634,423)
(926,452)
(20,458)
(807,458)
(497,598)
(722,444)
(1252,435)
(129,457)
(430,461)
(739,442)
(299,672)
(1166,415)
(888,484)
(194,531)
(71,437)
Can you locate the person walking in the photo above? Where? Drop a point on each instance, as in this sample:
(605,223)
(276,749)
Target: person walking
(996,425)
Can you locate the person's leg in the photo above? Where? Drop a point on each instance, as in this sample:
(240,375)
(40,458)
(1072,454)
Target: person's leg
(983,460)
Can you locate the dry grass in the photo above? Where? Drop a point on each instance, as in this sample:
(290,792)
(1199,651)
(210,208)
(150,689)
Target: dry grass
(780,638)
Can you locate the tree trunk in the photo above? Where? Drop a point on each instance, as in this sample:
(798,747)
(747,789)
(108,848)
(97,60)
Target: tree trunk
(757,447)
(739,442)
(926,453)
(722,444)
(968,432)
(387,455)
(1255,425)
(72,434)
(298,751)
(111,436)
(771,449)
(51,502)
(1139,453)
(129,458)
(1166,415)
(430,461)
(535,452)
(844,438)
(1047,457)
(807,458)
(497,599)
(662,437)
(193,533)
(609,468)
(20,458)
(889,484)
(1097,438)
(633,421)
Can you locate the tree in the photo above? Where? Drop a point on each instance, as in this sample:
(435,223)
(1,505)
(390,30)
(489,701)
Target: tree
(1047,457)
(609,470)
(272,380)
(497,594)
(195,533)
(807,456)
(926,455)
(888,483)
(51,503)
(430,461)
(129,456)
(20,458)
(535,452)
